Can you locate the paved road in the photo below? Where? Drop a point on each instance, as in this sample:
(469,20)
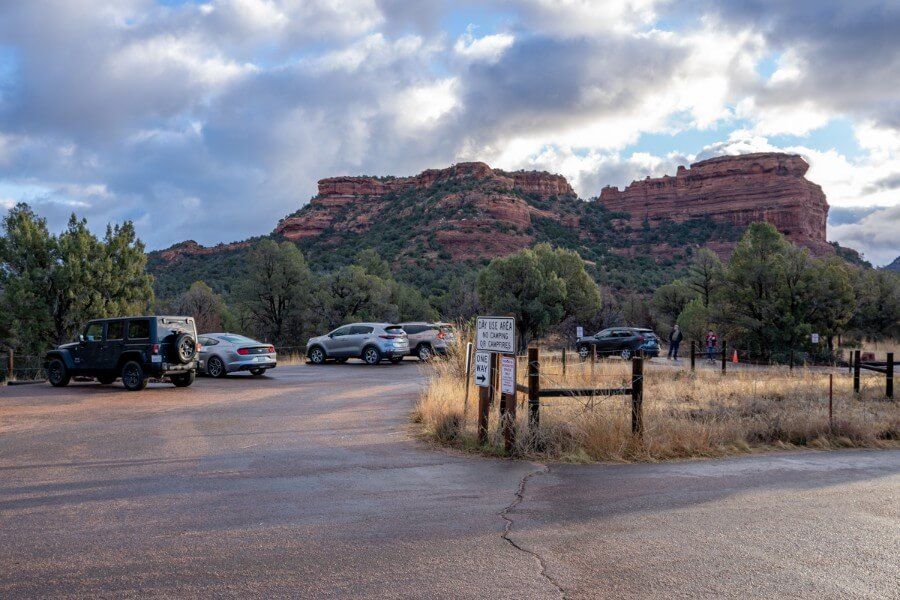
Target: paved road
(308,484)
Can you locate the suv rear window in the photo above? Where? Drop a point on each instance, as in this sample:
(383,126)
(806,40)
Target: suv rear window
(139,330)
(395,329)
(166,327)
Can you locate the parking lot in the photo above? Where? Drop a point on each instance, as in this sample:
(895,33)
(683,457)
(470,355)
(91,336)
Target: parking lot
(309,482)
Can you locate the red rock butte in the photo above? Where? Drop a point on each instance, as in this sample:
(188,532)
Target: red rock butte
(733,189)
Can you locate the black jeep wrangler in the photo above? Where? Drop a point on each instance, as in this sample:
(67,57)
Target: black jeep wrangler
(133,348)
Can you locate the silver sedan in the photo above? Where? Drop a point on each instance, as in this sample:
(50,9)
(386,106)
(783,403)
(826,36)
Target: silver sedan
(224,353)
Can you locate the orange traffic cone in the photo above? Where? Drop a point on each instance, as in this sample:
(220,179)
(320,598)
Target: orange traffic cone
(734,358)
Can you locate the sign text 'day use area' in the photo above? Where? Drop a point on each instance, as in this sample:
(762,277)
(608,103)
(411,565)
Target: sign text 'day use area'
(496,334)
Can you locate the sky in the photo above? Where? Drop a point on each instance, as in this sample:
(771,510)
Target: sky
(211,120)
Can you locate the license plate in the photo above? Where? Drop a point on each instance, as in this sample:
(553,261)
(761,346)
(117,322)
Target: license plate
(156,358)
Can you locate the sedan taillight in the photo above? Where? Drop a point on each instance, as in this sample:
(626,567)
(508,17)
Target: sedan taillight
(243,351)
(271,349)
(441,335)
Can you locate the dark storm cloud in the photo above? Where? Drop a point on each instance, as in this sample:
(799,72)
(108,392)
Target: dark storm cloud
(849,50)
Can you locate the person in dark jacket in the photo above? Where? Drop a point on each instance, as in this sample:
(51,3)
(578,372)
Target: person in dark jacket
(675,338)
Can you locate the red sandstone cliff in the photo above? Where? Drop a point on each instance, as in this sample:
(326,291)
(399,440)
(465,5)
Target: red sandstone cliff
(733,189)
(485,218)
(472,211)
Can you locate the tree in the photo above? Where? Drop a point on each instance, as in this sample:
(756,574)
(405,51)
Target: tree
(53,284)
(278,289)
(695,320)
(752,302)
(877,314)
(668,302)
(540,287)
(202,303)
(353,294)
(704,275)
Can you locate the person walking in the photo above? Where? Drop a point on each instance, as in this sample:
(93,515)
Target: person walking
(711,343)
(675,338)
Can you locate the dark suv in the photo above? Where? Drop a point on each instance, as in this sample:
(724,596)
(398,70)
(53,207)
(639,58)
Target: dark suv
(624,341)
(133,348)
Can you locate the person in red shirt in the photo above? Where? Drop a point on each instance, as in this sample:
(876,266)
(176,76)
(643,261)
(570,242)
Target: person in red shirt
(711,342)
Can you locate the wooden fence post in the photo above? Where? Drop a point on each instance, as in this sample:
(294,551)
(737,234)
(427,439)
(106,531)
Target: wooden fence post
(724,355)
(534,388)
(830,403)
(791,361)
(484,408)
(468,378)
(10,364)
(693,354)
(637,397)
(889,376)
(856,371)
(564,361)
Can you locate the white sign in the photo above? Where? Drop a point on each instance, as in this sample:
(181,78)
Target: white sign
(579,332)
(815,338)
(508,375)
(483,369)
(497,334)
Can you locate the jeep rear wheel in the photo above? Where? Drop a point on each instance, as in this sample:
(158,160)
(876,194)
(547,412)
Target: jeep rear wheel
(133,377)
(183,380)
(57,373)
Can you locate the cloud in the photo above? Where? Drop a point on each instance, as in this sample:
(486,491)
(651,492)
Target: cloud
(222,114)
(875,235)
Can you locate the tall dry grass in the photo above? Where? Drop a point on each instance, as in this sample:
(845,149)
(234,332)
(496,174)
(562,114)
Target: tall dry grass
(685,414)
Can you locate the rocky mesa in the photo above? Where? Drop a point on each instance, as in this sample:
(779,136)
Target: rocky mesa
(738,190)
(471,212)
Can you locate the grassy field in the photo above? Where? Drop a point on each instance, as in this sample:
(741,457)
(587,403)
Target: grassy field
(685,414)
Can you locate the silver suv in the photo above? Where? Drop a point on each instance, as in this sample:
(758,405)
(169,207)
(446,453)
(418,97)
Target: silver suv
(428,339)
(372,342)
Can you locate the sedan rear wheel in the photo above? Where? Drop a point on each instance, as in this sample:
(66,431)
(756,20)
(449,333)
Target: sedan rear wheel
(215,367)
(584,351)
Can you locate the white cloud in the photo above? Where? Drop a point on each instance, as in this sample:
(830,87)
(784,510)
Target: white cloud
(877,235)
(488,48)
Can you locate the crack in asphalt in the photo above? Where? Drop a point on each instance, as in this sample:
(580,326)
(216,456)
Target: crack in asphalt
(504,514)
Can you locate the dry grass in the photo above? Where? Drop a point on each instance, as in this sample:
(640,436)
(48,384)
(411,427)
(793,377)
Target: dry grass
(685,414)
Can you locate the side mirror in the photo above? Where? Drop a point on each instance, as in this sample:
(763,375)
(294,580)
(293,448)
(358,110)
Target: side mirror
(331,336)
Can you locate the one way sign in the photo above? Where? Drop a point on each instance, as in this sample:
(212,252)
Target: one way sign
(483,369)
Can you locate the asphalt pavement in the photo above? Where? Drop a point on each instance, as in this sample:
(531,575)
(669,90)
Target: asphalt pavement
(309,483)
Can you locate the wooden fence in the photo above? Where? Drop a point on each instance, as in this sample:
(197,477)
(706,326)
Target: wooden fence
(534,392)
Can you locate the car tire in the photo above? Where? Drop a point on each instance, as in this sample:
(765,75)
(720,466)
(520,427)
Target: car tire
(57,373)
(424,352)
(316,355)
(627,354)
(371,355)
(584,351)
(106,379)
(185,349)
(133,377)
(257,372)
(215,367)
(183,380)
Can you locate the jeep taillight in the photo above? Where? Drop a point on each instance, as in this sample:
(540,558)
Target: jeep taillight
(243,351)
(154,349)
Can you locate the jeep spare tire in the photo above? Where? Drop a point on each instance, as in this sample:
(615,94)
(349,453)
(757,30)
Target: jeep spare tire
(184,349)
